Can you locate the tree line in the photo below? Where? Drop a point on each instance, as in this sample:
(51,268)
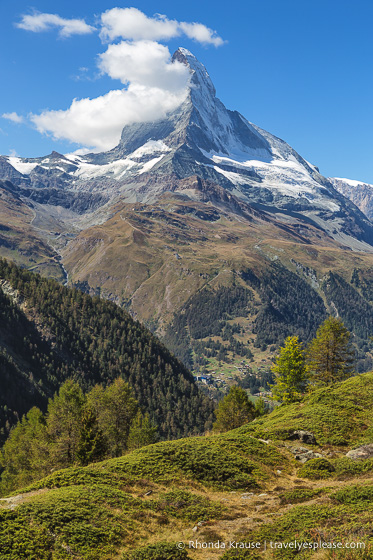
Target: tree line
(77,429)
(62,333)
(328,358)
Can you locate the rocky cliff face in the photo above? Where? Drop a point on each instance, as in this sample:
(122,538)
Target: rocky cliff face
(361,194)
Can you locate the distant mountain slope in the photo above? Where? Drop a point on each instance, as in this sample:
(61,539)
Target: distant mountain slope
(188,203)
(358,192)
(49,333)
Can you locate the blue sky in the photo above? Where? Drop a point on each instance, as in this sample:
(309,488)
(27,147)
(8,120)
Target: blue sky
(301,70)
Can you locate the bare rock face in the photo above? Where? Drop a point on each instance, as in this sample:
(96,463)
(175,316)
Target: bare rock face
(361,453)
(359,193)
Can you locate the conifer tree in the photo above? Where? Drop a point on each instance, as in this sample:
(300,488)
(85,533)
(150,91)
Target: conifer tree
(142,432)
(329,355)
(234,410)
(64,423)
(290,372)
(115,407)
(91,444)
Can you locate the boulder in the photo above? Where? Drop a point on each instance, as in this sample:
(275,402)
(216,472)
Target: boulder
(302,454)
(361,453)
(303,436)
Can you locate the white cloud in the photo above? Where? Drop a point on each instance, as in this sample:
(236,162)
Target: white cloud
(98,122)
(146,63)
(14,117)
(44,22)
(154,85)
(201,33)
(131,23)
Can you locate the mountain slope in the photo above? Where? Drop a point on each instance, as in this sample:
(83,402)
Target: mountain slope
(49,333)
(359,193)
(227,488)
(200,200)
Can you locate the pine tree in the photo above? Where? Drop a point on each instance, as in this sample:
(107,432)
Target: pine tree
(64,423)
(329,355)
(91,446)
(290,372)
(234,410)
(115,407)
(142,432)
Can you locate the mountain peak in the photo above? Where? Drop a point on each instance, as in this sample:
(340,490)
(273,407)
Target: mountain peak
(200,78)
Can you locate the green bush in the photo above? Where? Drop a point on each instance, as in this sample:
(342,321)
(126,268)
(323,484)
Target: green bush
(345,467)
(159,551)
(354,494)
(316,469)
(185,505)
(298,495)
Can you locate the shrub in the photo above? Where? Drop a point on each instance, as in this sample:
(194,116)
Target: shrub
(298,495)
(159,551)
(184,505)
(354,494)
(316,469)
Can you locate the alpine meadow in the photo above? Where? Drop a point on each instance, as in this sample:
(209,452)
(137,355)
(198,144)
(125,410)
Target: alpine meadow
(186,302)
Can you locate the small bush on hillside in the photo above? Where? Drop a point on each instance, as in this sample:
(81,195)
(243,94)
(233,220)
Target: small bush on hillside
(159,551)
(354,494)
(184,505)
(316,469)
(345,467)
(298,495)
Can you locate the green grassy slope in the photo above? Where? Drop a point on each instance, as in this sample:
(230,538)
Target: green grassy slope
(338,416)
(230,486)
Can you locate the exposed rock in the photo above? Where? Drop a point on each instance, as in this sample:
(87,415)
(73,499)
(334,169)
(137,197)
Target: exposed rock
(303,436)
(302,454)
(361,453)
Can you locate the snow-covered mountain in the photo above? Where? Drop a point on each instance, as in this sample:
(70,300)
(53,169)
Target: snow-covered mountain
(358,192)
(205,152)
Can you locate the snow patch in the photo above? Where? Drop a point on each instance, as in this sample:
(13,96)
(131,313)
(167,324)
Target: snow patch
(115,169)
(22,166)
(150,147)
(351,182)
(149,164)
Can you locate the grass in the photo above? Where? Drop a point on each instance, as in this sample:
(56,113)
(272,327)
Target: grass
(338,416)
(229,486)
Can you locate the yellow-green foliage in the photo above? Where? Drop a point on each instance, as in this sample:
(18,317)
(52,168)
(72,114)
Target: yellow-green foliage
(315,469)
(345,515)
(299,495)
(338,415)
(159,551)
(229,461)
(91,521)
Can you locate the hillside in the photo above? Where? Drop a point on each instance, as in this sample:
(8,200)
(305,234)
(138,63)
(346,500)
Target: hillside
(230,487)
(49,333)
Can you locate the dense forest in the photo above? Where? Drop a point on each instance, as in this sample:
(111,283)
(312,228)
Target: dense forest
(49,333)
(205,315)
(279,303)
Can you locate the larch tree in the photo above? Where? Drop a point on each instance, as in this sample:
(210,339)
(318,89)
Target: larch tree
(290,372)
(330,357)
